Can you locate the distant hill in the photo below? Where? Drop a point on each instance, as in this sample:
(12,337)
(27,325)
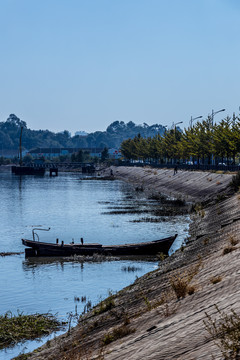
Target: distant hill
(111,138)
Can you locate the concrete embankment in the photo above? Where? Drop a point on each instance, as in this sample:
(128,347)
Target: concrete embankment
(160,326)
(192,186)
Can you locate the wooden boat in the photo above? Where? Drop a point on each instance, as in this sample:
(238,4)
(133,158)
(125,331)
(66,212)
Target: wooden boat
(37,248)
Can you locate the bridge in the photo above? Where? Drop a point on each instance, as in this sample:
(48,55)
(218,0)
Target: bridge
(53,167)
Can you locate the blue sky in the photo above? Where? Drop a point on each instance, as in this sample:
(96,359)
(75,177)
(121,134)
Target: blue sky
(82,64)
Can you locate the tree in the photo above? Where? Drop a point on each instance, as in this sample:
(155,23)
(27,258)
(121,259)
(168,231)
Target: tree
(27,159)
(104,154)
(14,120)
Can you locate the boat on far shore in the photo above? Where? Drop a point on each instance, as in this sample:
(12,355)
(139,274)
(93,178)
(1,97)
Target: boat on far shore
(36,248)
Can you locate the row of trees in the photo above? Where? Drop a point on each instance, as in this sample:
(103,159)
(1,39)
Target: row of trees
(198,144)
(115,133)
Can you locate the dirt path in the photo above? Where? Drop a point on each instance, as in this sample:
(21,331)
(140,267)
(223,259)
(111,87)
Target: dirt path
(165,327)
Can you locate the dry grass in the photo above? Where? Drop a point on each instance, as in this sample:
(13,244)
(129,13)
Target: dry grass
(225,332)
(117,333)
(233,241)
(180,281)
(206,241)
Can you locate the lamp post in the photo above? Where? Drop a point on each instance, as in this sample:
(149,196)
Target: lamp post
(216,112)
(192,120)
(165,128)
(174,125)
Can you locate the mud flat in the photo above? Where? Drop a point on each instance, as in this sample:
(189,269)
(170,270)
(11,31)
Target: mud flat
(147,320)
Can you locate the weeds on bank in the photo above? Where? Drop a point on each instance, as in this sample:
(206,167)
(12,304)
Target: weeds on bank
(180,282)
(161,256)
(206,241)
(117,333)
(25,327)
(225,332)
(198,208)
(105,305)
(167,309)
(232,242)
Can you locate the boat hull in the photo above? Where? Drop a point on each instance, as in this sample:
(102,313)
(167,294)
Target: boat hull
(37,248)
(28,170)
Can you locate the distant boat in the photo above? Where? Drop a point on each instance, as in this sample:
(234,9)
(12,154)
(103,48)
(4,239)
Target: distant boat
(37,248)
(23,169)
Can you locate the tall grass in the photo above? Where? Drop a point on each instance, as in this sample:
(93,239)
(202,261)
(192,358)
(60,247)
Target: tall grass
(15,328)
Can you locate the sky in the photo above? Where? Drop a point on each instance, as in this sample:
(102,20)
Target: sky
(79,65)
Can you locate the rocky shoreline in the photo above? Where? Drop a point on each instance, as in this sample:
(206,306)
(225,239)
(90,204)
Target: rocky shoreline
(148,319)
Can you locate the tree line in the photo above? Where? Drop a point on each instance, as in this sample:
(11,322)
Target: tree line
(115,133)
(198,144)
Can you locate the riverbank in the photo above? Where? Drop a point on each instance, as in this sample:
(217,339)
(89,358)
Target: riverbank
(156,324)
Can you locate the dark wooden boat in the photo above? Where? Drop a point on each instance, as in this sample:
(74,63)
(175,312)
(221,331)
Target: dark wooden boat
(38,248)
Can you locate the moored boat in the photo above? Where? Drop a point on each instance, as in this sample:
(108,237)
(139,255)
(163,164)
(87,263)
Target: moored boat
(38,248)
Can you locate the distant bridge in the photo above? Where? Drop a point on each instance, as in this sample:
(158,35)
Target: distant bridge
(85,167)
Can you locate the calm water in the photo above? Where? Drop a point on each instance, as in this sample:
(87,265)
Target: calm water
(72,208)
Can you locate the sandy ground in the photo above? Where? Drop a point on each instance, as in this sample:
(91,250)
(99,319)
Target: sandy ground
(166,327)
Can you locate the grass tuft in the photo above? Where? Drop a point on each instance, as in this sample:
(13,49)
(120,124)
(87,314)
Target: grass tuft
(180,281)
(25,327)
(117,333)
(233,241)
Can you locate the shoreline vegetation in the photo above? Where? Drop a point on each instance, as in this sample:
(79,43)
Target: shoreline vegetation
(20,327)
(174,311)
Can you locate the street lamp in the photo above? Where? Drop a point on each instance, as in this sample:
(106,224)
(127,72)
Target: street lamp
(192,120)
(216,112)
(174,125)
(180,122)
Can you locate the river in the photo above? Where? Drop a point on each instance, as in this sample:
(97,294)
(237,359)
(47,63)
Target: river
(73,207)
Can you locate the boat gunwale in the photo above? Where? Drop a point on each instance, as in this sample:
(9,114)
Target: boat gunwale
(97,245)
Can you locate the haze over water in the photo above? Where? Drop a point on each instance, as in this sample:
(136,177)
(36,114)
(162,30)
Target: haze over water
(72,208)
